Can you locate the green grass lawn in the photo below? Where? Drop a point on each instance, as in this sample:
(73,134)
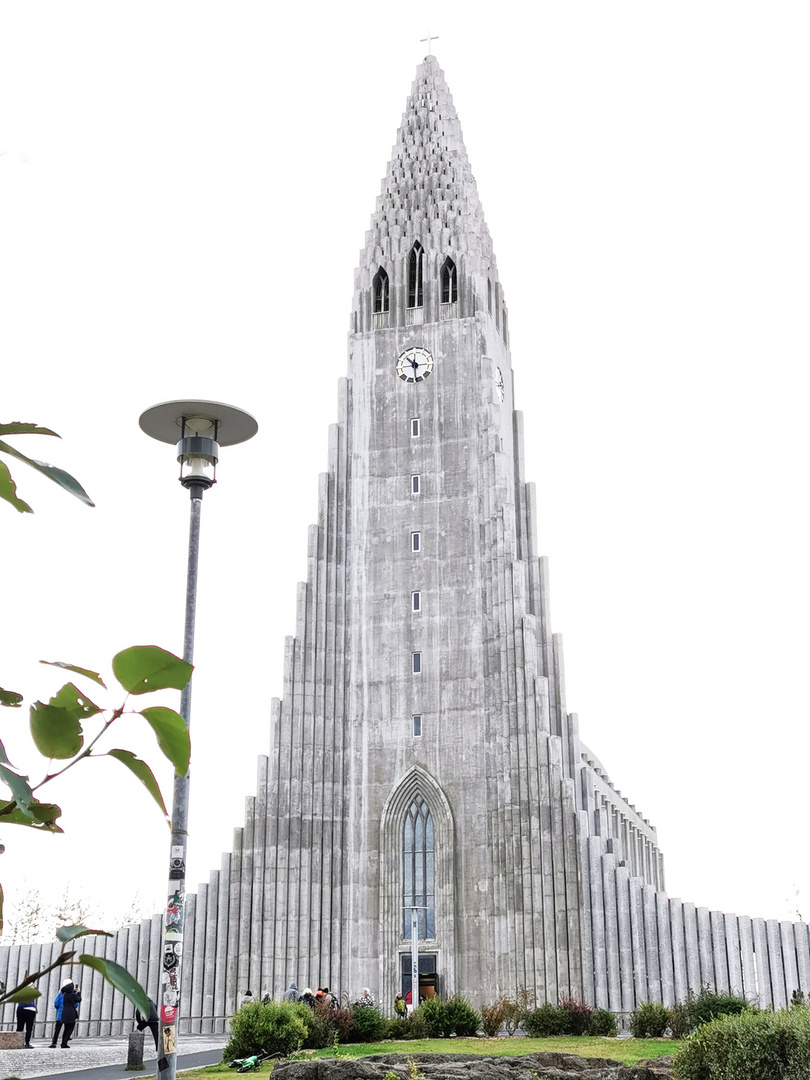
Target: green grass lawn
(628,1051)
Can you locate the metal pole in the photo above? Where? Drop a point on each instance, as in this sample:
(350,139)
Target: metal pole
(414,958)
(169,1005)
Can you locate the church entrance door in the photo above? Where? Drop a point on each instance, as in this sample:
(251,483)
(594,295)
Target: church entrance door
(428,976)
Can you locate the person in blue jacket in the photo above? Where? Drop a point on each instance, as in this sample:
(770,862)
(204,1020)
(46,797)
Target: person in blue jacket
(66,1002)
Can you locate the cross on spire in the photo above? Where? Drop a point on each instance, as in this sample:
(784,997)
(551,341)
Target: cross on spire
(430,37)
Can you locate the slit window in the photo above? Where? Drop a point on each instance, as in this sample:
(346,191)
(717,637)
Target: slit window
(416,601)
(416,429)
(449,282)
(380,293)
(417,663)
(417,725)
(416,264)
(416,484)
(416,541)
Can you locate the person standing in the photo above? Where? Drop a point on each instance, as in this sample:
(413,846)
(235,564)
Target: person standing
(400,1008)
(26,1014)
(66,1013)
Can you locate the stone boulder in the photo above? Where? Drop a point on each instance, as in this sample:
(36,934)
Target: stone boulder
(472,1067)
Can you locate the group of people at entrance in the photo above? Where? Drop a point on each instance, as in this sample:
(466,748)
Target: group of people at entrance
(66,1003)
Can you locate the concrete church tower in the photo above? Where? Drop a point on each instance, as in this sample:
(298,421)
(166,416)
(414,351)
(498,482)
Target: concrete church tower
(422,754)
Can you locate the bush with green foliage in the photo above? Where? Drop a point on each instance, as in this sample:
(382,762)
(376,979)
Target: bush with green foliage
(603,1023)
(461,1017)
(749,1046)
(280,1027)
(649,1021)
(369,1024)
(545,1021)
(708,1006)
(680,1018)
(322,1029)
(434,1014)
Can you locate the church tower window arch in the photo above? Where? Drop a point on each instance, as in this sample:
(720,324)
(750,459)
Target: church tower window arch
(417,784)
(416,268)
(380,292)
(448,278)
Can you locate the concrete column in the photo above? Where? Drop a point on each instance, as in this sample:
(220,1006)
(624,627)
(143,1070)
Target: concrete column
(588,989)
(735,975)
(106,948)
(187,970)
(789,959)
(231,998)
(749,976)
(679,970)
(665,951)
(221,954)
(704,928)
(638,940)
(209,954)
(802,943)
(765,991)
(144,948)
(133,951)
(197,960)
(651,943)
(780,997)
(153,986)
(628,994)
(719,952)
(612,954)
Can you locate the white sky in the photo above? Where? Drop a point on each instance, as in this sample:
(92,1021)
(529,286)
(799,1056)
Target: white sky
(185,190)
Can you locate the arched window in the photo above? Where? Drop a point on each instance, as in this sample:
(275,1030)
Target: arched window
(449,279)
(379,290)
(418,885)
(416,261)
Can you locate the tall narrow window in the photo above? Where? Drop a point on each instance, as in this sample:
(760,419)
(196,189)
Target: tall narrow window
(505,331)
(416,261)
(417,725)
(379,289)
(418,888)
(489,296)
(416,541)
(416,484)
(416,601)
(416,665)
(449,282)
(415,427)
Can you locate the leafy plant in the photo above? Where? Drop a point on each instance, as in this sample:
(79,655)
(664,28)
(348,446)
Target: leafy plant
(460,1017)
(434,1013)
(708,1006)
(748,1046)
(649,1021)
(579,1015)
(545,1021)
(513,1013)
(280,1027)
(603,1023)
(8,488)
(369,1024)
(492,1017)
(343,1019)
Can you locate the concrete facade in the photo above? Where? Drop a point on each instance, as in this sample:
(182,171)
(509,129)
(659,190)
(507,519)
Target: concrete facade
(426,598)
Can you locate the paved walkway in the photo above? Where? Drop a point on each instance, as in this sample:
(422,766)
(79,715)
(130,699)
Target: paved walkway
(104,1058)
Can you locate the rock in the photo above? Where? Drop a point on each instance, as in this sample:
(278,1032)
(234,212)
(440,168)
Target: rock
(472,1067)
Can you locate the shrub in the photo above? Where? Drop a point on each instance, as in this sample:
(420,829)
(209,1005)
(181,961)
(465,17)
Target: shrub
(680,1018)
(603,1022)
(749,1046)
(545,1021)
(343,1019)
(492,1018)
(579,1014)
(280,1027)
(708,1006)
(417,1025)
(434,1014)
(513,1013)
(322,1031)
(462,1019)
(649,1021)
(369,1024)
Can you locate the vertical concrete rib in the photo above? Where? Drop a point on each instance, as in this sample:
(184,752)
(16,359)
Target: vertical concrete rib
(184,1025)
(198,973)
(775,961)
(651,943)
(234,879)
(221,953)
(601,997)
(747,963)
(679,967)
(802,944)
(789,959)
(638,938)
(628,1002)
(665,952)
(719,952)
(704,928)
(612,949)
(764,989)
(690,933)
(735,974)
(256,977)
(246,898)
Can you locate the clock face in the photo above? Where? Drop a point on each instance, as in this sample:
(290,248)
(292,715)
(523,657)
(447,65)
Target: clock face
(499,386)
(414,365)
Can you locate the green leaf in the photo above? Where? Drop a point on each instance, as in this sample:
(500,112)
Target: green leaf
(144,668)
(19,787)
(8,491)
(143,772)
(94,675)
(25,429)
(59,476)
(72,700)
(172,736)
(56,731)
(23,996)
(42,816)
(70,933)
(120,979)
(10,698)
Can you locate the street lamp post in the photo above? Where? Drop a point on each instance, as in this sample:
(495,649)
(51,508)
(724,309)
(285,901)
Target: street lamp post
(198,428)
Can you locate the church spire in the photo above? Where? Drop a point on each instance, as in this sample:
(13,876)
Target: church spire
(429,197)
